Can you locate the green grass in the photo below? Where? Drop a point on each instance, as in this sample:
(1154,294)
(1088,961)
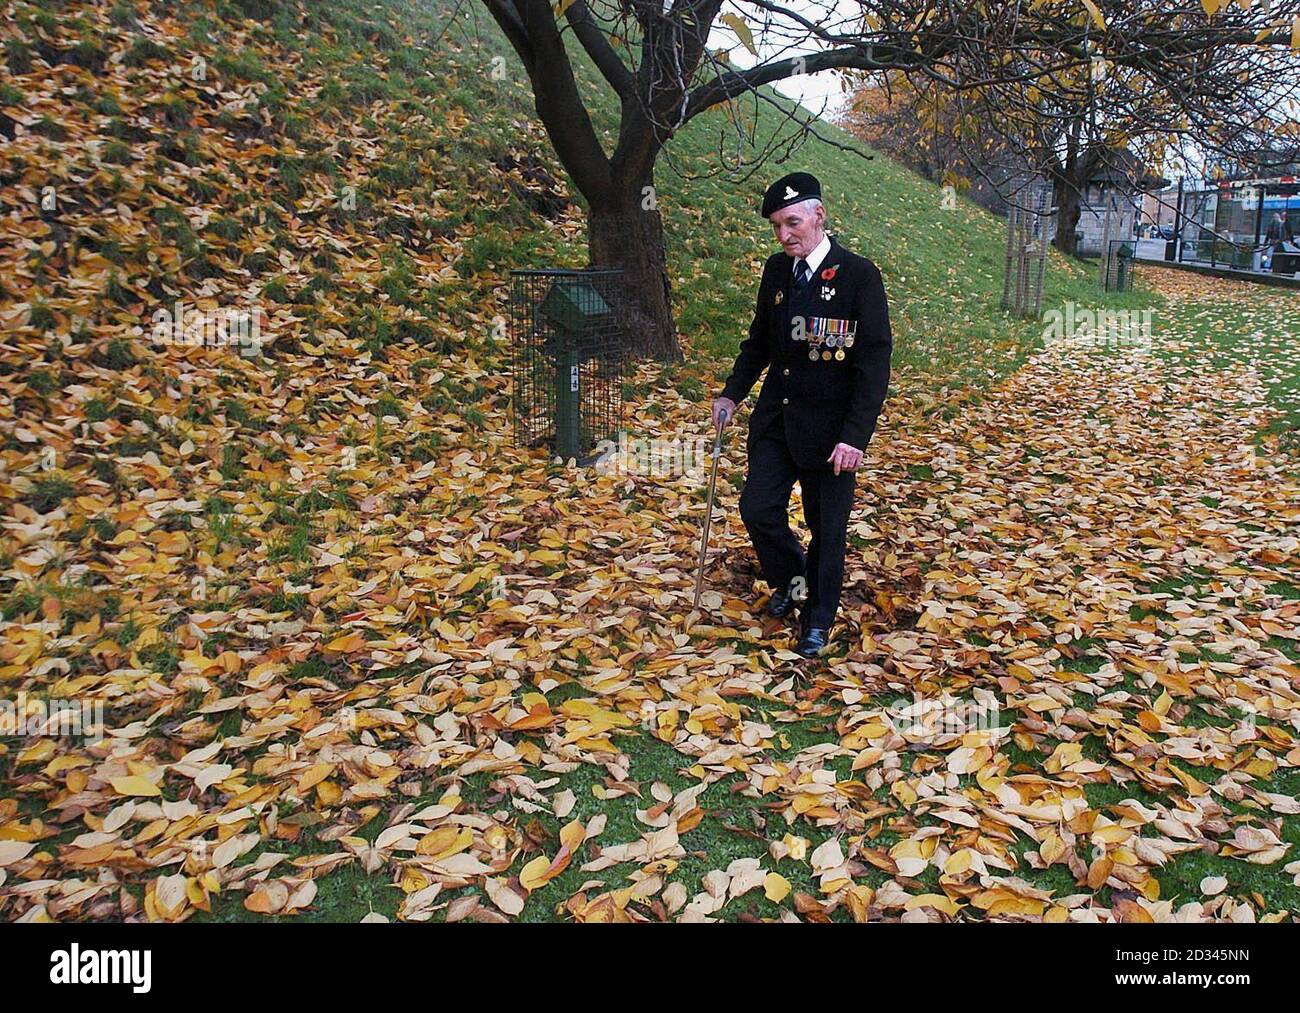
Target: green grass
(349,894)
(1262,334)
(1258,330)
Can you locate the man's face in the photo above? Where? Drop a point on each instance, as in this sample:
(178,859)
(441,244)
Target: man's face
(798,229)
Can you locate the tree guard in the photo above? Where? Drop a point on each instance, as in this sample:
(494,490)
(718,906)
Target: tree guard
(1026,251)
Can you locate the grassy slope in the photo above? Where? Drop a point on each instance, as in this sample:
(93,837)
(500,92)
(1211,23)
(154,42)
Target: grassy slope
(437,109)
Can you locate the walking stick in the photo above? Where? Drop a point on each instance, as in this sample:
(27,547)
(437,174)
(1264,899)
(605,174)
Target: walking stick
(708,514)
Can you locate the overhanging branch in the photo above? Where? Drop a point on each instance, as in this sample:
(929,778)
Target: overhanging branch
(736,82)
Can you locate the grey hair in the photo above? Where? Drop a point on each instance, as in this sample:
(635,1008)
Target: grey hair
(810,204)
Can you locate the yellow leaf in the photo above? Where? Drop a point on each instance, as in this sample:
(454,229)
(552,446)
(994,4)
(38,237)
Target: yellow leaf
(467,581)
(737,24)
(268,898)
(1052,849)
(1065,754)
(867,757)
(195,894)
(1099,871)
(62,763)
(328,793)
(533,875)
(1150,721)
(1112,834)
(1016,905)
(352,641)
(1099,20)
(803,804)
(902,791)
(1192,784)
(134,785)
(38,753)
(314,775)
(935,900)
(776,887)
(445,841)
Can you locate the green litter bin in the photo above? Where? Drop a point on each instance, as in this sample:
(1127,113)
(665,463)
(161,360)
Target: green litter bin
(569,349)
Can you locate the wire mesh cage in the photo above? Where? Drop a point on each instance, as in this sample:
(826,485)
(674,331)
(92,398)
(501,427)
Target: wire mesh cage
(1119,265)
(569,350)
(1028,218)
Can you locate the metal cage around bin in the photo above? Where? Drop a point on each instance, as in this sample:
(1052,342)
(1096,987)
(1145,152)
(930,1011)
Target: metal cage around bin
(1119,265)
(569,350)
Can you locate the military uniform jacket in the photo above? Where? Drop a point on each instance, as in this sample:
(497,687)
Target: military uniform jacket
(827,356)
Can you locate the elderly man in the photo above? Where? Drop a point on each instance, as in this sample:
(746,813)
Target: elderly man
(821,328)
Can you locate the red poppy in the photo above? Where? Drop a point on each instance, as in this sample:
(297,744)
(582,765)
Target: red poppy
(829,273)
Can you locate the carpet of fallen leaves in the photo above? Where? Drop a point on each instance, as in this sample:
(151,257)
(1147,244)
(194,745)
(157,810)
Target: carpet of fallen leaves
(1027,556)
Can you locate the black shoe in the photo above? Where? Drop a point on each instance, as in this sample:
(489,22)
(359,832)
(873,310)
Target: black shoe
(781,602)
(813,642)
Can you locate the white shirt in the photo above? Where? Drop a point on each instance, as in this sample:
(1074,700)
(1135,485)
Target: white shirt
(814,259)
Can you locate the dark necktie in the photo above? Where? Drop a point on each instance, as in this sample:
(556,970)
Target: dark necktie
(801,275)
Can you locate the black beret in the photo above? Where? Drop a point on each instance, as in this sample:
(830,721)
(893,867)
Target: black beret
(790,189)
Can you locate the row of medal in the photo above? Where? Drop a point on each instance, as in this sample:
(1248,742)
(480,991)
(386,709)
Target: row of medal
(833,342)
(836,334)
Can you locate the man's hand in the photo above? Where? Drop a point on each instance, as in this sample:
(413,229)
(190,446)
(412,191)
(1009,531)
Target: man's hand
(845,458)
(724,410)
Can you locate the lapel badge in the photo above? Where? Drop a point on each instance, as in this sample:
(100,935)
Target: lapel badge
(827,292)
(829,272)
(779,296)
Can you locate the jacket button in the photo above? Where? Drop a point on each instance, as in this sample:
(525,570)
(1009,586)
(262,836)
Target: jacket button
(785,400)
(785,372)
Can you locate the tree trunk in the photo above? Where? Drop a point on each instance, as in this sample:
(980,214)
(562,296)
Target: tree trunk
(1068,204)
(627,237)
